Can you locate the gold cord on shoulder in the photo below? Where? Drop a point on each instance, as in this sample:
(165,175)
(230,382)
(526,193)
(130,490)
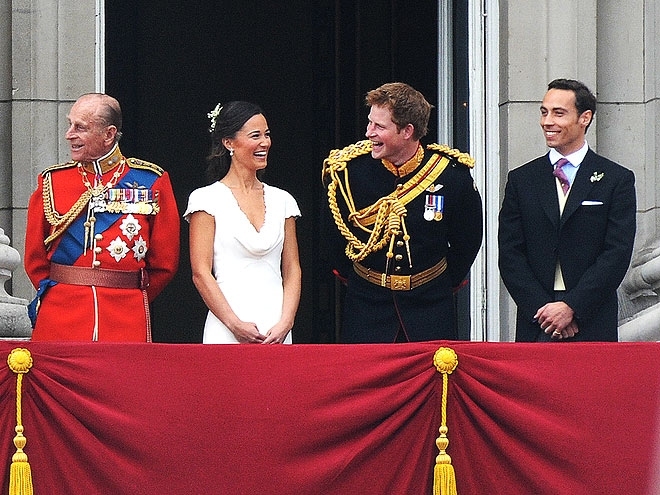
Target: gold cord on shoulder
(383,220)
(461,157)
(60,222)
(333,166)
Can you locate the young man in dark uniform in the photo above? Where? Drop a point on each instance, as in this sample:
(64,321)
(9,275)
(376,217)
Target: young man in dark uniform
(411,218)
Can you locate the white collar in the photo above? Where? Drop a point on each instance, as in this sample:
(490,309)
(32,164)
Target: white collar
(575,158)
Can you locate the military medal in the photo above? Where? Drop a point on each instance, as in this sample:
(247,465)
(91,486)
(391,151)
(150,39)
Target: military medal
(117,249)
(139,249)
(130,226)
(138,199)
(434,207)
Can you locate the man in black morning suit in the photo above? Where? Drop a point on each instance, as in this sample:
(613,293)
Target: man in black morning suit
(562,269)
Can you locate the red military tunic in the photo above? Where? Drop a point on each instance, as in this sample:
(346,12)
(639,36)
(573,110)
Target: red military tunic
(124,219)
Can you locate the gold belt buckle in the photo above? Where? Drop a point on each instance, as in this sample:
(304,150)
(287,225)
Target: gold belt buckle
(399,282)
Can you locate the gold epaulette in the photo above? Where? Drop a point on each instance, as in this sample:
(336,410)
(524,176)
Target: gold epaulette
(137,163)
(384,220)
(458,155)
(58,166)
(337,159)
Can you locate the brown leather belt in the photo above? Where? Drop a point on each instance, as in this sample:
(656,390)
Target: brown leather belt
(401,282)
(99,277)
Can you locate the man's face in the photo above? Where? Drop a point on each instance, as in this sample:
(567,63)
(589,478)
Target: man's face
(388,142)
(562,127)
(89,139)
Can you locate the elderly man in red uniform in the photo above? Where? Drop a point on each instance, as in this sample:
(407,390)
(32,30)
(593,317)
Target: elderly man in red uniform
(102,236)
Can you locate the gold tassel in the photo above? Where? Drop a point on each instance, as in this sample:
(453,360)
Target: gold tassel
(20,474)
(444,477)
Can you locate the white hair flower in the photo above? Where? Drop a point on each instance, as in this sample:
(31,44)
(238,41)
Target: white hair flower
(213,115)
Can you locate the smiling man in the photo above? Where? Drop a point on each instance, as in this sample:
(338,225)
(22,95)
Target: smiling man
(566,228)
(410,219)
(102,237)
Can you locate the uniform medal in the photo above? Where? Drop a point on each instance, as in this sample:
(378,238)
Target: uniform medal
(132,200)
(434,207)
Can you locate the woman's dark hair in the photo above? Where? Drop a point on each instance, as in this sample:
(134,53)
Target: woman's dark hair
(226,121)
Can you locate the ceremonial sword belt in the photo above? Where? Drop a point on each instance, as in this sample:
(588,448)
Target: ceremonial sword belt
(401,282)
(99,277)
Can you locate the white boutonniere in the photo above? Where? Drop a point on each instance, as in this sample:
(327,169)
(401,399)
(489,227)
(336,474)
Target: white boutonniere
(596,176)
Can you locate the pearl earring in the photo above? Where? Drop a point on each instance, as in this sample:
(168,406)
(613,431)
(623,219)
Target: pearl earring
(231,152)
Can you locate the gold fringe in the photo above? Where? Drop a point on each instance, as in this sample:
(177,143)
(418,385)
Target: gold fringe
(382,220)
(444,477)
(20,473)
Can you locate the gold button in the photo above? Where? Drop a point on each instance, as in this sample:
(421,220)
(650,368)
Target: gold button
(398,257)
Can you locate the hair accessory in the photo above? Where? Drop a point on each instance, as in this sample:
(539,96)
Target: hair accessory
(213,115)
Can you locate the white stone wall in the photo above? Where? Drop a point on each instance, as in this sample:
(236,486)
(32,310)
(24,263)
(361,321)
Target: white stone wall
(5,115)
(612,47)
(47,60)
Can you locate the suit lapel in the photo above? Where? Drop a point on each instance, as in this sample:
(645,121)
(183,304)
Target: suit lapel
(548,190)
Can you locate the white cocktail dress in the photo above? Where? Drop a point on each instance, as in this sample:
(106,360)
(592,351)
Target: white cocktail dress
(246,262)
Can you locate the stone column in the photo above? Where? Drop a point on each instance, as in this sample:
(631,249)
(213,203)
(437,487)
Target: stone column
(53,62)
(5,114)
(539,42)
(612,47)
(629,65)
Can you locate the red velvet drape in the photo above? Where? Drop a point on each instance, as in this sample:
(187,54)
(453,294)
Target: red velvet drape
(334,419)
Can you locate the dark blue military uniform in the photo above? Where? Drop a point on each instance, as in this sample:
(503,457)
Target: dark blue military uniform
(407,295)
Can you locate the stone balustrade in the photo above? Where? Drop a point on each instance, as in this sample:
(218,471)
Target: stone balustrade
(14,320)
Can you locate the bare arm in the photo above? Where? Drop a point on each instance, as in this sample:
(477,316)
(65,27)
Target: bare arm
(291,281)
(202,231)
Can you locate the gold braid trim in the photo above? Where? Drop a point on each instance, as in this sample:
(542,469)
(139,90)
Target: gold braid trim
(386,215)
(405,193)
(60,222)
(461,157)
(336,163)
(137,163)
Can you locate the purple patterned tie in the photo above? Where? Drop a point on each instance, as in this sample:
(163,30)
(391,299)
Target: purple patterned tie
(559,173)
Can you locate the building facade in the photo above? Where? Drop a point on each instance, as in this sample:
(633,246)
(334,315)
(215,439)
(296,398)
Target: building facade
(51,52)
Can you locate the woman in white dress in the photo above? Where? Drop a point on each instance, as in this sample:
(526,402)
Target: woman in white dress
(243,247)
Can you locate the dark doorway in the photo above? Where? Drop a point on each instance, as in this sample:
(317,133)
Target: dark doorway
(307,64)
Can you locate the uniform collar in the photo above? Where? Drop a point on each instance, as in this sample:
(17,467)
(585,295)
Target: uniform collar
(407,167)
(106,162)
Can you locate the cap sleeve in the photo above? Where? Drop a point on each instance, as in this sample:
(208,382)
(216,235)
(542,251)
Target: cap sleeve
(198,201)
(291,208)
